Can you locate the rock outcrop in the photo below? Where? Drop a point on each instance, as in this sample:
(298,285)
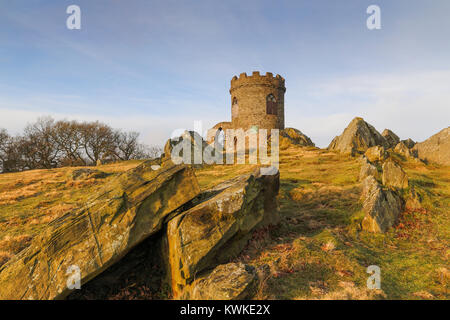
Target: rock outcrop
(296,137)
(391,138)
(402,148)
(377,153)
(357,138)
(232,281)
(90,239)
(394,176)
(414,200)
(409,143)
(368,169)
(382,206)
(382,202)
(218,228)
(435,149)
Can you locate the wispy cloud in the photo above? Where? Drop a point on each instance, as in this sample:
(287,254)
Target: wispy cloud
(157,65)
(414,105)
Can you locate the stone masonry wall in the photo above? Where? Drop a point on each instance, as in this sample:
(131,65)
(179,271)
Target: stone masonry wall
(251,93)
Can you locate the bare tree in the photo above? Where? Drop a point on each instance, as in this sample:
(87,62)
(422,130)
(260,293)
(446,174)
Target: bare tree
(127,145)
(11,153)
(98,141)
(69,137)
(49,144)
(40,147)
(148,152)
(4,141)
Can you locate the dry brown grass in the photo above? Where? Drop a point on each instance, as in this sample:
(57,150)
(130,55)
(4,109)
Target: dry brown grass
(346,290)
(15,244)
(30,200)
(5,257)
(10,246)
(81,183)
(14,195)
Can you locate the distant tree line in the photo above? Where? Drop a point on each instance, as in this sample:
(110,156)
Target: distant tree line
(48,144)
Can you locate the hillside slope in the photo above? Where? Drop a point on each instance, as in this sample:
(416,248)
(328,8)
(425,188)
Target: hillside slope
(317,252)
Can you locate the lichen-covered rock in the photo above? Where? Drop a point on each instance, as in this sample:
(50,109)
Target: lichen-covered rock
(436,148)
(391,138)
(217,229)
(402,148)
(382,207)
(232,281)
(414,200)
(368,169)
(394,176)
(377,153)
(357,138)
(126,211)
(409,143)
(294,136)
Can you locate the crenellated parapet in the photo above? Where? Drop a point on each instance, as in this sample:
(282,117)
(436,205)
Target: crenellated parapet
(256,79)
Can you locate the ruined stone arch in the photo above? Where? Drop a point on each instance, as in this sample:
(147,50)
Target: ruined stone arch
(219,137)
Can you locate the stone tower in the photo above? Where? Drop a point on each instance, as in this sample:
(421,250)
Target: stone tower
(257,101)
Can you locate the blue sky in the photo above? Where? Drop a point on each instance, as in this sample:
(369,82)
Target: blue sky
(155,66)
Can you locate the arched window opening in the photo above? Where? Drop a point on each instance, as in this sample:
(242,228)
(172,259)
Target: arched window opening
(235,108)
(271,104)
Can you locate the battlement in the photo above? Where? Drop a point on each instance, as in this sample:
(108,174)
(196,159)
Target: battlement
(257,79)
(256,101)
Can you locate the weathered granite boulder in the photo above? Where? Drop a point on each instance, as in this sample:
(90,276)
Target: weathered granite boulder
(377,153)
(125,212)
(391,138)
(436,148)
(409,143)
(414,200)
(394,176)
(357,138)
(368,169)
(382,206)
(217,229)
(402,148)
(232,281)
(294,136)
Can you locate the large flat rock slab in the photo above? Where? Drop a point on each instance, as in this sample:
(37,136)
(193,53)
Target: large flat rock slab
(129,209)
(217,229)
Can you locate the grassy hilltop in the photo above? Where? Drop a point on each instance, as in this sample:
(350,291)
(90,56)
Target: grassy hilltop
(318,251)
